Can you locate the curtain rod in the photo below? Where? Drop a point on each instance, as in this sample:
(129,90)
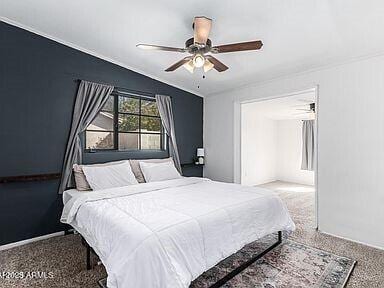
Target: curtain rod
(139,94)
(126,91)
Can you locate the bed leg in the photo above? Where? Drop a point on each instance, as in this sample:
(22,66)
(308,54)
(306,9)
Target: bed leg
(279,236)
(88,257)
(69,231)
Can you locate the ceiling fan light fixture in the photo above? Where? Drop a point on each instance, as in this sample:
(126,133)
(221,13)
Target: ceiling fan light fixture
(189,66)
(198,60)
(200,46)
(207,65)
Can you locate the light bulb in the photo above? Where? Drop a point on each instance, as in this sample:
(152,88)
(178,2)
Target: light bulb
(207,65)
(198,60)
(189,66)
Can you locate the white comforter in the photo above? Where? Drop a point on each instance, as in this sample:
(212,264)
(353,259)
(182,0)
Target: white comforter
(165,234)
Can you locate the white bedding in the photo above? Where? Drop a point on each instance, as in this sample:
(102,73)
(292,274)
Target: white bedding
(165,234)
(70,193)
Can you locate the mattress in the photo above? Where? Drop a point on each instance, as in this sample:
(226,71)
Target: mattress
(165,234)
(71,193)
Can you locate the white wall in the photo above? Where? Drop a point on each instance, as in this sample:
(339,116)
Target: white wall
(271,149)
(350,143)
(288,151)
(220,142)
(258,147)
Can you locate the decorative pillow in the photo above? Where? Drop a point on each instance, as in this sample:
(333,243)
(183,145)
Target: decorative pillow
(159,171)
(136,166)
(103,177)
(80,179)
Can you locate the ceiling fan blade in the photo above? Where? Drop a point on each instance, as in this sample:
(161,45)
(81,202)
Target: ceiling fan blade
(161,48)
(300,105)
(178,64)
(235,47)
(219,66)
(305,101)
(201,26)
(302,114)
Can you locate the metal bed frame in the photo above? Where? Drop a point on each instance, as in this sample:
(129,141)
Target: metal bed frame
(88,252)
(221,281)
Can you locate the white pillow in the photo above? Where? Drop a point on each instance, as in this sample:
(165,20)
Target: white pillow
(135,165)
(80,179)
(159,171)
(103,177)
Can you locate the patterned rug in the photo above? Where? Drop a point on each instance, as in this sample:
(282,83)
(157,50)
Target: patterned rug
(290,265)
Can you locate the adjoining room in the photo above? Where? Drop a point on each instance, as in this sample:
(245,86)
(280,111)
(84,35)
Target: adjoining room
(278,144)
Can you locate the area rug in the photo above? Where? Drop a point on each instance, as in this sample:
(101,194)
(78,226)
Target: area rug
(290,265)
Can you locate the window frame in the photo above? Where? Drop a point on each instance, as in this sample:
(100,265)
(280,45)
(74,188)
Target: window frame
(115,132)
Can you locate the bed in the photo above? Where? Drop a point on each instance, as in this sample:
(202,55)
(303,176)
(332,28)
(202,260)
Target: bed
(167,233)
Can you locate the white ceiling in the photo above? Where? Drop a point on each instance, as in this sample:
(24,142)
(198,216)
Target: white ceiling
(284,108)
(298,35)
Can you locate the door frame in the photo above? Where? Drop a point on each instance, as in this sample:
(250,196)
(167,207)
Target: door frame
(238,130)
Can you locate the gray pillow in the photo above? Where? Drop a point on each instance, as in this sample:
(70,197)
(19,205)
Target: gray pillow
(80,179)
(136,166)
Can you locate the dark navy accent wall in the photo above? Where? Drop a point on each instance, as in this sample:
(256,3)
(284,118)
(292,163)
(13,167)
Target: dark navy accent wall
(37,94)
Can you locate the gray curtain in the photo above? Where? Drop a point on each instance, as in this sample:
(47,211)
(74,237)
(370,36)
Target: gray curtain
(90,98)
(308,151)
(164,104)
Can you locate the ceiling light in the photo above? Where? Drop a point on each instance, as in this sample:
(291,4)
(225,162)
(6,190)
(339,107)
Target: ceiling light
(207,65)
(189,66)
(198,60)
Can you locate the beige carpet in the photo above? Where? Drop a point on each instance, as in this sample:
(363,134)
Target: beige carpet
(64,256)
(369,271)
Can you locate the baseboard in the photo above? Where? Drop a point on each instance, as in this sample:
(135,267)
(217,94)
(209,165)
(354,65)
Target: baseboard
(355,241)
(31,240)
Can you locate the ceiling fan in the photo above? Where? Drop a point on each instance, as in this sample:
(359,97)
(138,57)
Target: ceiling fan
(199,45)
(310,108)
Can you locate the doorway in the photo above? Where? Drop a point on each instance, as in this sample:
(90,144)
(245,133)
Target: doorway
(278,146)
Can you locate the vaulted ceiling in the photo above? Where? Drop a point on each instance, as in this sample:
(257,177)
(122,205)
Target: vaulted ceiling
(298,35)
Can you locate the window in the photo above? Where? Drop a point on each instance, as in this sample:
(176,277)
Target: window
(126,123)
